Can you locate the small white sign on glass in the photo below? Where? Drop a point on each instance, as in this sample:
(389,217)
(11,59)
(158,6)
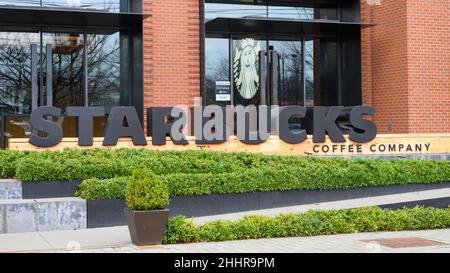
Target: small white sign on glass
(223,91)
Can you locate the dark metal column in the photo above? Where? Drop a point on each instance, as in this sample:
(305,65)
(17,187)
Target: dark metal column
(274,78)
(34,78)
(49,81)
(262,77)
(85,71)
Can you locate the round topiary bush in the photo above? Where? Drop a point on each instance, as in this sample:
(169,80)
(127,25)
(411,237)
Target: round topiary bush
(145,191)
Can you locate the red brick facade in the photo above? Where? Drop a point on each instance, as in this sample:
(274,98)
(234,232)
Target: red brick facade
(406,64)
(171,52)
(405,60)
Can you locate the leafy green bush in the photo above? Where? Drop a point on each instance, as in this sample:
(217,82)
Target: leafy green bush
(317,174)
(98,189)
(8,162)
(73,164)
(206,172)
(311,223)
(145,191)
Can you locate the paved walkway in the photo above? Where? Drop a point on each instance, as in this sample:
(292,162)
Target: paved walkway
(117,240)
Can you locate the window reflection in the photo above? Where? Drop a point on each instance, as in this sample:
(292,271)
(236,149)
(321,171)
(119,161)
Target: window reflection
(213,10)
(286,12)
(280,10)
(289,71)
(217,70)
(328,13)
(26,3)
(103,60)
(15,71)
(67,64)
(99,5)
(309,72)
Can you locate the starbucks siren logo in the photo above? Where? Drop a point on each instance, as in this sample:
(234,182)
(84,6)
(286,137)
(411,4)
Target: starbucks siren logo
(245,68)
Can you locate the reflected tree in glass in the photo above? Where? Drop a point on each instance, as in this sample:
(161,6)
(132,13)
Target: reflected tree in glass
(103,60)
(67,66)
(15,71)
(217,67)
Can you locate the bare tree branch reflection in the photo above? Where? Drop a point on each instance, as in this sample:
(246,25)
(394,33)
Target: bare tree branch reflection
(103,59)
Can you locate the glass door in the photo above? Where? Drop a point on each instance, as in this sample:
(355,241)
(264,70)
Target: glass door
(67,51)
(272,70)
(285,73)
(267,72)
(15,71)
(15,83)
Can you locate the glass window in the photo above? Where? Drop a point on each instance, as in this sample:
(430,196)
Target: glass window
(217,71)
(25,3)
(103,61)
(15,71)
(309,72)
(321,72)
(213,10)
(286,12)
(328,72)
(289,85)
(267,66)
(281,10)
(99,5)
(67,60)
(328,13)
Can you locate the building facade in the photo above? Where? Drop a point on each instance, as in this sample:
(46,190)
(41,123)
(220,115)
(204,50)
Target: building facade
(392,55)
(404,58)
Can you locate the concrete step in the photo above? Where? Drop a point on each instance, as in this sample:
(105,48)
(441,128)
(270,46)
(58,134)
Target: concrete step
(18,215)
(10,189)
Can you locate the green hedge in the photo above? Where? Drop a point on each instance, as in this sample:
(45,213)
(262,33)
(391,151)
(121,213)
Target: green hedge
(306,174)
(311,223)
(8,162)
(77,164)
(97,189)
(205,172)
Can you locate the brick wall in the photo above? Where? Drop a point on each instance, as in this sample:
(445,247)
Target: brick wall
(428,24)
(406,65)
(171,52)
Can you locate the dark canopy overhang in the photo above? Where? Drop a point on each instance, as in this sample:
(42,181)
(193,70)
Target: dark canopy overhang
(67,17)
(281,26)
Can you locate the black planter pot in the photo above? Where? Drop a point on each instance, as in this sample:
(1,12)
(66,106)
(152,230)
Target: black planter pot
(147,227)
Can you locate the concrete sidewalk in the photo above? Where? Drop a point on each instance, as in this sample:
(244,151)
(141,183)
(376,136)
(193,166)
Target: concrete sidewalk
(117,240)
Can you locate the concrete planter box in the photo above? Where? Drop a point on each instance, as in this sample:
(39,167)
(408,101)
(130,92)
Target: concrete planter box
(31,215)
(106,213)
(49,189)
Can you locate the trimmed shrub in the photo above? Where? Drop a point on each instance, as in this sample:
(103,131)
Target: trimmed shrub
(145,191)
(8,162)
(316,175)
(311,223)
(98,189)
(206,172)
